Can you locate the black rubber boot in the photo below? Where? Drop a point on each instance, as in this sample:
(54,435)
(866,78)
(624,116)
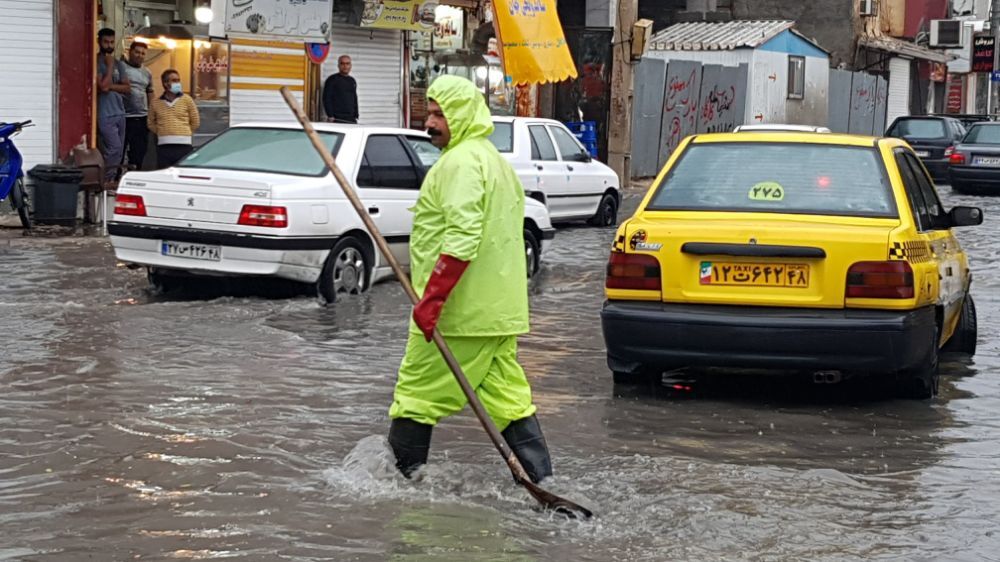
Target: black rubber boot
(525,437)
(410,442)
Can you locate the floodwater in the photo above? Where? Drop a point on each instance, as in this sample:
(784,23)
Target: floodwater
(249,425)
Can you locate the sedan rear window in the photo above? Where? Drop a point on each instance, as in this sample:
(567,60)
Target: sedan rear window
(983,134)
(919,129)
(815,179)
(275,151)
(503,136)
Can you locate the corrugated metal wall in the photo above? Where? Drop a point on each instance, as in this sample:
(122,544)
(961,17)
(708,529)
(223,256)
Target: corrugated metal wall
(377,57)
(857,103)
(26,91)
(680,105)
(650,75)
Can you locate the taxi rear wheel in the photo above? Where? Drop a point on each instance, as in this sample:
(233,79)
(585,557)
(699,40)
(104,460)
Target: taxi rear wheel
(922,384)
(964,338)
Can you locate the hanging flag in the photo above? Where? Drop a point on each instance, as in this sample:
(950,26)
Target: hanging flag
(533,46)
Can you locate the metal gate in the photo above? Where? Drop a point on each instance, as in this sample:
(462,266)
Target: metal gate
(681,98)
(857,103)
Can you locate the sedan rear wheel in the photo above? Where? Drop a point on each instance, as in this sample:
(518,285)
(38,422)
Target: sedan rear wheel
(607,212)
(345,271)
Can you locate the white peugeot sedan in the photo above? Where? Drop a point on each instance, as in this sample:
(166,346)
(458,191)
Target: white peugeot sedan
(258,201)
(557,170)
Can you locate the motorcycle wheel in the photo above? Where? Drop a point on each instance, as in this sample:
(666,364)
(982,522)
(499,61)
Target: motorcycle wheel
(19,200)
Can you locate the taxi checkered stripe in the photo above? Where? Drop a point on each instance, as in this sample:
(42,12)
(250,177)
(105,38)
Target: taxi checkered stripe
(914,251)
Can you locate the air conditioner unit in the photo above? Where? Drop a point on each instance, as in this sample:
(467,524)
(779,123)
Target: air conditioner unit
(946,34)
(868,8)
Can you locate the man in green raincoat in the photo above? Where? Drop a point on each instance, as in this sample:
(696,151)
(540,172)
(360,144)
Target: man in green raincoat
(467,262)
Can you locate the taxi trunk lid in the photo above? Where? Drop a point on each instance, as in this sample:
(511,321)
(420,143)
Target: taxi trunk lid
(757,259)
(196,195)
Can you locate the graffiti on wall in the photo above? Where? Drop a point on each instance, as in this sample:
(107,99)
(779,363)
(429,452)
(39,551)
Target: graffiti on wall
(680,104)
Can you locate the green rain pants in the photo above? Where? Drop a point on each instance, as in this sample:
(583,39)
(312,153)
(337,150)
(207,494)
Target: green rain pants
(427,391)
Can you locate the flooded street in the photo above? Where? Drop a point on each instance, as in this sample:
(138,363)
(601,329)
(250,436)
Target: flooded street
(250,426)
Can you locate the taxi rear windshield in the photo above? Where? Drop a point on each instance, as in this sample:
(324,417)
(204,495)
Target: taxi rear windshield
(812,179)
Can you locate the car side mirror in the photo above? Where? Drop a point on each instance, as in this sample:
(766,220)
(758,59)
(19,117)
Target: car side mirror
(582,157)
(966,216)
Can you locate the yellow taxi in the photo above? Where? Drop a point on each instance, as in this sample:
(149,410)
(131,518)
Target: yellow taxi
(800,252)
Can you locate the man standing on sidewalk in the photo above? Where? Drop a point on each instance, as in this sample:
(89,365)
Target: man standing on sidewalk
(340,94)
(137,104)
(174,118)
(112,87)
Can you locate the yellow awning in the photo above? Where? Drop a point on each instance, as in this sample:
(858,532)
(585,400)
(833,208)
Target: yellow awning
(532,42)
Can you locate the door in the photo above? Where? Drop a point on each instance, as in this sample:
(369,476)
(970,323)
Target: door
(585,184)
(388,182)
(935,228)
(549,179)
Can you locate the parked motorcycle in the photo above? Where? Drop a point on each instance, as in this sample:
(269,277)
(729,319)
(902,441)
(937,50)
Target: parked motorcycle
(11,175)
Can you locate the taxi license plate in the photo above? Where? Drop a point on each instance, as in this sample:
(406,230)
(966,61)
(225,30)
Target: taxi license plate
(986,161)
(755,274)
(188,250)
(922,153)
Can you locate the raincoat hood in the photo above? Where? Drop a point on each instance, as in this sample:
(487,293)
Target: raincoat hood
(464,107)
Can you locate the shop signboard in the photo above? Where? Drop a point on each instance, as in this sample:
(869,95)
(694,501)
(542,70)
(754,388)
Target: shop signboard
(532,43)
(412,15)
(448,33)
(983,52)
(280,19)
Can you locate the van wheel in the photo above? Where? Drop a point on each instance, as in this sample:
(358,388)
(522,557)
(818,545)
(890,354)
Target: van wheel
(922,384)
(964,338)
(532,253)
(607,212)
(345,271)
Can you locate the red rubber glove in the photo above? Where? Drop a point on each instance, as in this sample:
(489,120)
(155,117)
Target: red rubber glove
(447,272)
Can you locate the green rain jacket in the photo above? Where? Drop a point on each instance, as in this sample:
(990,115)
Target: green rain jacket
(471,207)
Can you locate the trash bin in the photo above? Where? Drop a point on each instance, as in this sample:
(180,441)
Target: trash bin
(55,197)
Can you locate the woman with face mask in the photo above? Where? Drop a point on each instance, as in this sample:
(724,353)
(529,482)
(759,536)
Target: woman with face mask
(173,117)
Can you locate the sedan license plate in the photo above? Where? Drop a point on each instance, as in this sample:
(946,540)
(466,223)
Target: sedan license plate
(188,250)
(922,153)
(986,161)
(754,274)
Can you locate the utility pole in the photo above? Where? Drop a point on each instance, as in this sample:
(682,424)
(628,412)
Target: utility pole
(620,125)
(991,102)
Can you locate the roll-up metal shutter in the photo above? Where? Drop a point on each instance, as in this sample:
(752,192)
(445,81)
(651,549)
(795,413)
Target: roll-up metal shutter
(27,89)
(377,57)
(898,103)
(257,70)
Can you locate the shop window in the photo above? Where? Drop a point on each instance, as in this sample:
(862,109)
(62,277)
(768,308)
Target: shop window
(796,78)
(211,71)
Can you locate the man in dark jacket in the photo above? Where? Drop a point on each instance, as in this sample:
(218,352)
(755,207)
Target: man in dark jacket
(340,94)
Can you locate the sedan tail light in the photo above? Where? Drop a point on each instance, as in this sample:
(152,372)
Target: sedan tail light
(633,271)
(955,157)
(880,280)
(949,151)
(264,215)
(132,205)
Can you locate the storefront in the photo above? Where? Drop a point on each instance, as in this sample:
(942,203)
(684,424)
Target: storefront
(27,91)
(377,57)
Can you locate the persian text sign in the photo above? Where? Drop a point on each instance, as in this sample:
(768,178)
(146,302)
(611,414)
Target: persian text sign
(415,15)
(533,45)
(282,19)
(983,53)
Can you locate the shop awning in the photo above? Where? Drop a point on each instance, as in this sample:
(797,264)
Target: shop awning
(532,42)
(905,48)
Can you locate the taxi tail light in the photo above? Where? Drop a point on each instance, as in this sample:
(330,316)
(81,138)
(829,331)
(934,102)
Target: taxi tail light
(264,215)
(638,272)
(132,205)
(880,280)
